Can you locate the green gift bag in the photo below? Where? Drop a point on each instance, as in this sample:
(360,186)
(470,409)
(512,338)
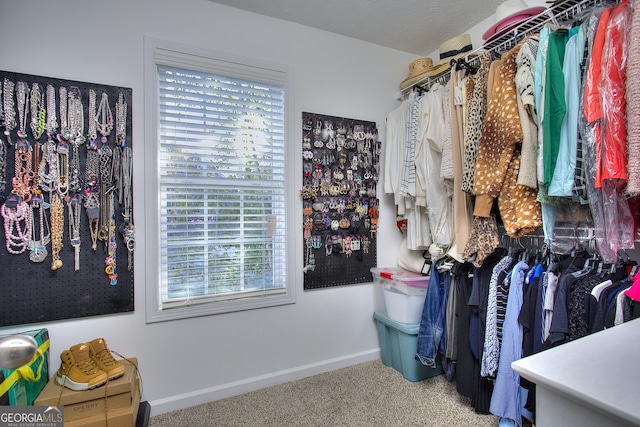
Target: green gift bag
(21,386)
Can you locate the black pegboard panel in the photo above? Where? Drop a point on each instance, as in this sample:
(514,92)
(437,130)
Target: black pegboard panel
(333,144)
(32,292)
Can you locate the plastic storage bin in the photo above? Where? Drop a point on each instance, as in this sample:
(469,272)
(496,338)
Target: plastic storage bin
(404,293)
(398,344)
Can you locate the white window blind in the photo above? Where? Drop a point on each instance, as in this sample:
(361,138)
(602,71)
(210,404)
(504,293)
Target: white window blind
(221,158)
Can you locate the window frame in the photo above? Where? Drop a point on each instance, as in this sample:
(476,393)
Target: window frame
(152,270)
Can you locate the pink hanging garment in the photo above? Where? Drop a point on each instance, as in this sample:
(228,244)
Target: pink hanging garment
(634,291)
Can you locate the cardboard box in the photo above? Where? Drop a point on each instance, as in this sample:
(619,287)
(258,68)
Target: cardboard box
(21,386)
(55,394)
(76,411)
(124,417)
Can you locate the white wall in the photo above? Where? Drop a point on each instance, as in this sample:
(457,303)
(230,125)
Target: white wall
(192,361)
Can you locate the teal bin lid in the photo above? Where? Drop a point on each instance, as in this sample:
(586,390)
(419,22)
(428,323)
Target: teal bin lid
(402,327)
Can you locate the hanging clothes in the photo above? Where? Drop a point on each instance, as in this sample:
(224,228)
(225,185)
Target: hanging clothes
(539,85)
(482,386)
(428,159)
(447,166)
(501,131)
(473,130)
(617,215)
(408,178)
(592,95)
(563,175)
(451,323)
(402,139)
(525,65)
(537,128)
(462,206)
(554,102)
(491,348)
(505,401)
(613,84)
(394,152)
(633,105)
(463,273)
(432,323)
(498,159)
(591,128)
(519,208)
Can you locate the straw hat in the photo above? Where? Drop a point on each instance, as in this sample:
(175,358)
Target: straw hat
(454,48)
(418,69)
(508,15)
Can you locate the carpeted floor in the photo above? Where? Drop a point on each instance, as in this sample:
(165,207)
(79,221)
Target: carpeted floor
(368,394)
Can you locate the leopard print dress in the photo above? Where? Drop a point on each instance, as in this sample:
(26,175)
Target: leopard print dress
(477,111)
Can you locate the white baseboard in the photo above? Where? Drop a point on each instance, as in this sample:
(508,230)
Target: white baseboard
(211,394)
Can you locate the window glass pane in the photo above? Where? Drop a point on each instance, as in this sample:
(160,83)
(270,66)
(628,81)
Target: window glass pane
(222,184)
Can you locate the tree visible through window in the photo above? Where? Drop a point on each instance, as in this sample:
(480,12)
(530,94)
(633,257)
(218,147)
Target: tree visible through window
(222,183)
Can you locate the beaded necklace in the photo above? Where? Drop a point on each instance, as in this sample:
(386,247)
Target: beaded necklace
(3,170)
(57,229)
(1,104)
(16,211)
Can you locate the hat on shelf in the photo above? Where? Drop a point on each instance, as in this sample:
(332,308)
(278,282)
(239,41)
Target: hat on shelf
(508,15)
(454,48)
(418,69)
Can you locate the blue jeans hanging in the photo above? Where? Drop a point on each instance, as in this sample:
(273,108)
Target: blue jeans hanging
(432,324)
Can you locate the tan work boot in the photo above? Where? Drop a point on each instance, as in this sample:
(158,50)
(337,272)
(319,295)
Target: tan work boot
(78,371)
(103,358)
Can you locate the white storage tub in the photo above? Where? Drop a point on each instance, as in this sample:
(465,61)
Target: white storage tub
(404,293)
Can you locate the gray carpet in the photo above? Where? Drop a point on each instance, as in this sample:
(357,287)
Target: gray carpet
(368,394)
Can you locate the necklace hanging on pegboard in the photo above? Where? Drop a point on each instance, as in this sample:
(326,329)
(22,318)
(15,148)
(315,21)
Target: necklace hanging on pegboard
(67,240)
(341,165)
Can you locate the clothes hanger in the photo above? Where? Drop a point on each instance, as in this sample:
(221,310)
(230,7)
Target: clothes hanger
(553,263)
(626,262)
(445,263)
(462,64)
(421,91)
(587,268)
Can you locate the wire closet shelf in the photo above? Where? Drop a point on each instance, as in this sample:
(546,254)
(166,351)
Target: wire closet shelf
(561,11)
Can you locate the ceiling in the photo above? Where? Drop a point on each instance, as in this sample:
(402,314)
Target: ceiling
(413,26)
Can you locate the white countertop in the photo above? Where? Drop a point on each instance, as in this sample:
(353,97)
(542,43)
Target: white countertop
(600,371)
